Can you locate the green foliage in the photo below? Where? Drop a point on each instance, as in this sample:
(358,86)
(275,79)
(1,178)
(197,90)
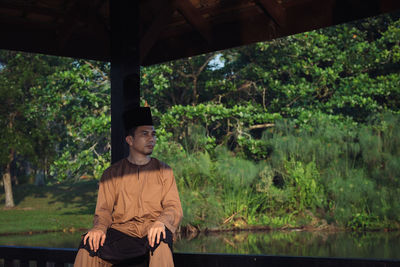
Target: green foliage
(55,114)
(21,132)
(321,138)
(75,104)
(196,180)
(341,167)
(380,142)
(279,133)
(363,221)
(236,181)
(201,208)
(306,191)
(205,126)
(343,70)
(350,195)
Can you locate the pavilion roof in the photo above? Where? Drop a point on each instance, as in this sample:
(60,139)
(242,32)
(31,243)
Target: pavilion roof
(170,29)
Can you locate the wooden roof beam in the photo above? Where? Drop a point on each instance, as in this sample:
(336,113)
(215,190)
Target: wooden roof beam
(72,21)
(159,23)
(274,10)
(294,16)
(68,26)
(97,24)
(227,35)
(193,16)
(30,9)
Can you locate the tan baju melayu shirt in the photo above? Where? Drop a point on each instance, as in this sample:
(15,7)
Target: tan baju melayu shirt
(132,197)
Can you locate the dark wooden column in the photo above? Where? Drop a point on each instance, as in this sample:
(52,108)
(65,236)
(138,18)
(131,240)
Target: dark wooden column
(125,69)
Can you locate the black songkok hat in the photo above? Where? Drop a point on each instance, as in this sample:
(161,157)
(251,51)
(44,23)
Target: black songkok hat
(137,117)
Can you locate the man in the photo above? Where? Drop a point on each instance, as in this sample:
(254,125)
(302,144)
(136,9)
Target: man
(138,207)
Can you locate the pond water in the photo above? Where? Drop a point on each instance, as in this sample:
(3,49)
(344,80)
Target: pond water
(381,245)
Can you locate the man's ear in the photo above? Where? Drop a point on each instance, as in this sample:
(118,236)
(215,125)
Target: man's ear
(129,139)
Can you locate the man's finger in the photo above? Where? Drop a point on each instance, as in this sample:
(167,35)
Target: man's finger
(102,239)
(158,237)
(153,237)
(84,239)
(90,240)
(149,236)
(96,243)
(164,234)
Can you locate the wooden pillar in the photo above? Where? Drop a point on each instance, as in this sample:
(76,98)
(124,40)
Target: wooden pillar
(125,69)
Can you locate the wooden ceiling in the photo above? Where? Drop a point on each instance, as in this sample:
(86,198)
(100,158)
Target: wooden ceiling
(170,29)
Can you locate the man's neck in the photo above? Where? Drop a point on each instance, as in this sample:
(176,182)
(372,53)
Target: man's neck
(138,159)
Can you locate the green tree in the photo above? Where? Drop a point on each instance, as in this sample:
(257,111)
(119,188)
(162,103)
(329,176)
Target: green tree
(75,104)
(19,134)
(178,82)
(349,70)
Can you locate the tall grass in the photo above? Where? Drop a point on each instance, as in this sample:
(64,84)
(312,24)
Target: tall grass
(358,165)
(236,183)
(326,170)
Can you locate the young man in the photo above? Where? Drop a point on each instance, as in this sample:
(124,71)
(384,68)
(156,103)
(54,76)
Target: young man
(138,207)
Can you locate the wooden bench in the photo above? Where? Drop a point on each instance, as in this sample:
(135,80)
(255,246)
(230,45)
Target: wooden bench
(57,257)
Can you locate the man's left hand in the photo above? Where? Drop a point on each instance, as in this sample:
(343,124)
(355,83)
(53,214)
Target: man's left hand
(154,234)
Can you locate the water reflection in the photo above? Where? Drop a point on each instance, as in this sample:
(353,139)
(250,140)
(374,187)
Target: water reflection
(298,243)
(292,243)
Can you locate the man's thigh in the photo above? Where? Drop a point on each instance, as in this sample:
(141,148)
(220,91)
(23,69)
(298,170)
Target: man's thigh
(83,259)
(162,256)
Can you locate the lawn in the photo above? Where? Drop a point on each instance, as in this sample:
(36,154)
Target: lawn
(60,207)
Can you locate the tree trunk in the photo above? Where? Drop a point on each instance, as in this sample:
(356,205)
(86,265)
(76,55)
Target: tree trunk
(195,96)
(7,183)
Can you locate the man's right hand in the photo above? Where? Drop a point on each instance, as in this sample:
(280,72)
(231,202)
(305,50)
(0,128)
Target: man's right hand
(94,238)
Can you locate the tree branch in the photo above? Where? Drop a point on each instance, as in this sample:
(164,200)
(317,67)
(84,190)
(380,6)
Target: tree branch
(260,126)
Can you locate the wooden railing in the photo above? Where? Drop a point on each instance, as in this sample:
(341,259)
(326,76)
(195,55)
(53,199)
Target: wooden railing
(57,257)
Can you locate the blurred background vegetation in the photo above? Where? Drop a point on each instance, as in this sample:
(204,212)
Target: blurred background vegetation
(302,131)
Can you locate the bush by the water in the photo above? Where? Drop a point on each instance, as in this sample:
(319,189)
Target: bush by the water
(342,172)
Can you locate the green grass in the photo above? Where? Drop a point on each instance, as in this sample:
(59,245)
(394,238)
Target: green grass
(61,207)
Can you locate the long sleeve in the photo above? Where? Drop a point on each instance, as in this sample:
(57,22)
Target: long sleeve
(105,203)
(172,213)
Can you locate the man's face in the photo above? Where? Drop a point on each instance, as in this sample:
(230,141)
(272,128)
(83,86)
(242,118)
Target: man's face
(143,140)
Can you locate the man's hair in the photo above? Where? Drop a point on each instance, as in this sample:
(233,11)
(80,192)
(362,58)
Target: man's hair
(131,131)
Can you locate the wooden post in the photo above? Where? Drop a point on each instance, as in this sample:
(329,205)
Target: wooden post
(125,69)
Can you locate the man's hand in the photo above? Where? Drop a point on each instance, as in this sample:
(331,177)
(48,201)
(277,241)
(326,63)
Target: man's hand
(94,237)
(155,232)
